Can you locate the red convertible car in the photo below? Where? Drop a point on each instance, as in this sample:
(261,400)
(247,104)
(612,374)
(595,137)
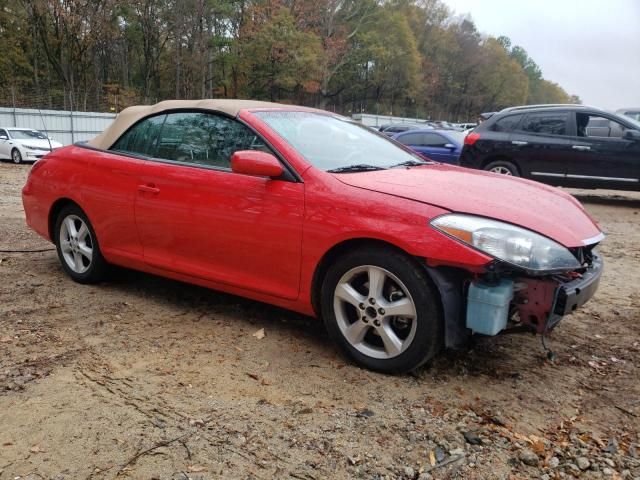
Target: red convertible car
(310,211)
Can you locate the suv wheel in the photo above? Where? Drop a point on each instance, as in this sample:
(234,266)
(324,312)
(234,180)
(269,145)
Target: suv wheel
(382,310)
(503,167)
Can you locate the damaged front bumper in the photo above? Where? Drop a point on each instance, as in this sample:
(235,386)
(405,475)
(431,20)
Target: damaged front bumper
(535,304)
(540,303)
(575,293)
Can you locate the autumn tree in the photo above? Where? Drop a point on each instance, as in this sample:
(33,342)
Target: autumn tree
(406,57)
(278,59)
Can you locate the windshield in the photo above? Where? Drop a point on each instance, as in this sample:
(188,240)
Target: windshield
(333,143)
(27,135)
(633,121)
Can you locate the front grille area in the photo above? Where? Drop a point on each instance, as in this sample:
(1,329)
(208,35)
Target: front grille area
(584,254)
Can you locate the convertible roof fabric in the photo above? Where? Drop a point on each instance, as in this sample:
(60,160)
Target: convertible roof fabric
(131,115)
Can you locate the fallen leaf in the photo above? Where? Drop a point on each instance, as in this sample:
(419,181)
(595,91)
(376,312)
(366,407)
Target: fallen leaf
(36,449)
(538,447)
(253,375)
(196,468)
(432,458)
(259,334)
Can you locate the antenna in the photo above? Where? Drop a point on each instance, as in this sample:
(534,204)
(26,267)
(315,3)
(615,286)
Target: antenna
(45,130)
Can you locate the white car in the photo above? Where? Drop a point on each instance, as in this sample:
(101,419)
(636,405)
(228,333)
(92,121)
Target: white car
(25,144)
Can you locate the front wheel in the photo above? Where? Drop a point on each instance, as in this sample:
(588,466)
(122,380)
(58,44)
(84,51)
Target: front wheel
(77,246)
(16,156)
(380,307)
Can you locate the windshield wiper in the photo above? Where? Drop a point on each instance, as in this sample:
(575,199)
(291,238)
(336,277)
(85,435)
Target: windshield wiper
(411,163)
(356,168)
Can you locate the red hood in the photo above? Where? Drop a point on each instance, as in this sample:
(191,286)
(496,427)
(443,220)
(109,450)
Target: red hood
(531,205)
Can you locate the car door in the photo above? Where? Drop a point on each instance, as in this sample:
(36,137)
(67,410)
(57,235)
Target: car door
(601,157)
(5,148)
(541,146)
(434,146)
(196,217)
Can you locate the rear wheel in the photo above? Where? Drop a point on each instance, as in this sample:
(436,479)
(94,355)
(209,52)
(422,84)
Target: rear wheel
(380,307)
(502,167)
(77,246)
(16,156)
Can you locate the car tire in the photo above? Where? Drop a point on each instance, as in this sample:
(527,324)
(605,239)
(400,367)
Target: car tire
(502,167)
(358,315)
(16,156)
(77,246)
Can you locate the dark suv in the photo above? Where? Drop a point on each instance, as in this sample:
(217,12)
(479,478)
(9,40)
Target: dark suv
(564,145)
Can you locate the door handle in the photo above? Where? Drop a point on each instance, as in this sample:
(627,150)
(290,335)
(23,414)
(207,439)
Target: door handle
(581,148)
(519,142)
(149,189)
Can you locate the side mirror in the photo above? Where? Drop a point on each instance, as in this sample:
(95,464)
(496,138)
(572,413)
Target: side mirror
(633,135)
(256,163)
(450,146)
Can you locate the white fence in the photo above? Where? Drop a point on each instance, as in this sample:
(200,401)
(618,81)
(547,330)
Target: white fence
(63,126)
(371,120)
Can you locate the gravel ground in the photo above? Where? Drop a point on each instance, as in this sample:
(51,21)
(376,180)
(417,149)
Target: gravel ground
(143,377)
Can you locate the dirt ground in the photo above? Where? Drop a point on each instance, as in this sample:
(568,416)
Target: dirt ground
(143,377)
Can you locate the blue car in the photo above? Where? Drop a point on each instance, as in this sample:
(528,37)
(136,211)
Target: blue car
(439,145)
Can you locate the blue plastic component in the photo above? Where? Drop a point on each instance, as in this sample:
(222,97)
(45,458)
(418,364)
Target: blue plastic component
(488,306)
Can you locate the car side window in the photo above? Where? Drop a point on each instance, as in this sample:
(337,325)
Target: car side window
(434,140)
(3,133)
(411,139)
(506,124)
(204,139)
(546,123)
(141,138)
(598,127)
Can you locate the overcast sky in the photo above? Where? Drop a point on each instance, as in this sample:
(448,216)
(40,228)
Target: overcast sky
(590,47)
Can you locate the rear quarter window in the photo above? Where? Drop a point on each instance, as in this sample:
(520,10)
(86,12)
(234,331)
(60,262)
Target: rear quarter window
(545,123)
(506,124)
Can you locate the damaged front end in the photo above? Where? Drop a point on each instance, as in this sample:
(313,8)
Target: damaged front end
(505,300)
(530,286)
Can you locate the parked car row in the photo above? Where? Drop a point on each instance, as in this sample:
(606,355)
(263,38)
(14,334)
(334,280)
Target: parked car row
(392,129)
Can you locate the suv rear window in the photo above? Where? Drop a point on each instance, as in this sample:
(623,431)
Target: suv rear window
(506,124)
(546,123)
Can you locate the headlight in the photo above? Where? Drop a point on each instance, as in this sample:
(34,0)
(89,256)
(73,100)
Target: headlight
(31,147)
(509,243)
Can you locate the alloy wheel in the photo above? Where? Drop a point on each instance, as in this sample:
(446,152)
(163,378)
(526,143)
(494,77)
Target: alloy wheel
(375,312)
(16,156)
(76,243)
(501,170)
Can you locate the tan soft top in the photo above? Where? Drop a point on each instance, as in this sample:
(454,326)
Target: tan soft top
(131,115)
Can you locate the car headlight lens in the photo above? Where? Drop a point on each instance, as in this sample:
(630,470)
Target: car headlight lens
(509,243)
(31,147)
